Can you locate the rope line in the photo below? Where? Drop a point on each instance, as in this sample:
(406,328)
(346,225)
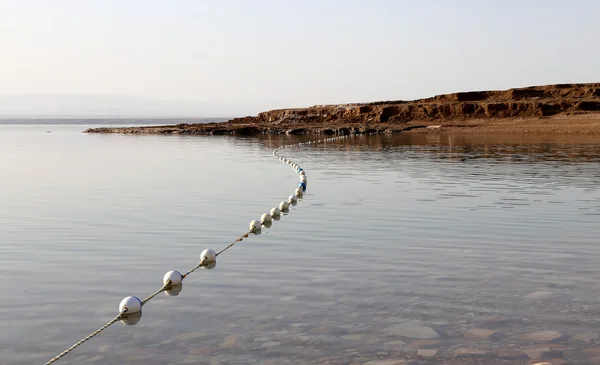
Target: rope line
(192,270)
(298,193)
(233,243)
(164,287)
(85,339)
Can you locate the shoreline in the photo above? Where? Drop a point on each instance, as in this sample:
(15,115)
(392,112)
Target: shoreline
(550,109)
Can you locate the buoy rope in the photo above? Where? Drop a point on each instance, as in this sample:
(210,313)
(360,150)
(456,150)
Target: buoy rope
(202,263)
(205,256)
(241,238)
(85,339)
(164,287)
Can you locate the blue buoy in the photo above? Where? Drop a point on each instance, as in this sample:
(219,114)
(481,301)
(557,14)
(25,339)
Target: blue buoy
(302,185)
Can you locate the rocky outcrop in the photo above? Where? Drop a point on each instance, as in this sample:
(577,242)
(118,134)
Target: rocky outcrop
(514,103)
(399,116)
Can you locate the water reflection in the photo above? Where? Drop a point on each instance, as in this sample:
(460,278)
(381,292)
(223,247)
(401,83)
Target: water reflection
(209,265)
(131,319)
(174,290)
(463,147)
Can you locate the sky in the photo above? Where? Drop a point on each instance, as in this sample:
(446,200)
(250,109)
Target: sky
(240,57)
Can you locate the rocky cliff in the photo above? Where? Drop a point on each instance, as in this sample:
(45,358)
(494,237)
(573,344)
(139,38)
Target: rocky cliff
(466,109)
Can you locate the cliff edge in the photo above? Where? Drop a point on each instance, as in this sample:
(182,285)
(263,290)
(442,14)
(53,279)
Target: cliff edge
(562,108)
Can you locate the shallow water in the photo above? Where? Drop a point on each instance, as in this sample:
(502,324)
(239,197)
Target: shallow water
(398,236)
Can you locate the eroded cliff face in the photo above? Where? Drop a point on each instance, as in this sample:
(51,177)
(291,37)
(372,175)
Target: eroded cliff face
(537,101)
(398,116)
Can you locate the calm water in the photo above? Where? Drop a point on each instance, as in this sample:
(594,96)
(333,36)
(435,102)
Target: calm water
(397,237)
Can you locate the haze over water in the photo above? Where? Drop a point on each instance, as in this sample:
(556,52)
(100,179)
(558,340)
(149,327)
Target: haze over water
(397,236)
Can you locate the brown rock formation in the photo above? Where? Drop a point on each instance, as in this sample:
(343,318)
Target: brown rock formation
(580,103)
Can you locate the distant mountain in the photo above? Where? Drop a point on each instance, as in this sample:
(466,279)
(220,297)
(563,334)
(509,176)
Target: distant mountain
(101,106)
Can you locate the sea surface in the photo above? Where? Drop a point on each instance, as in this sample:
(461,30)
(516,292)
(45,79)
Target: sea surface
(402,243)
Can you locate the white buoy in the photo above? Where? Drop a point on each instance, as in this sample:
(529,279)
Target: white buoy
(254,226)
(208,255)
(275,212)
(292,199)
(299,193)
(210,265)
(172,278)
(302,173)
(130,305)
(266,218)
(303,178)
(284,206)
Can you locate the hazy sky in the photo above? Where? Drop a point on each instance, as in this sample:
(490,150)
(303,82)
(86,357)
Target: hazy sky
(237,57)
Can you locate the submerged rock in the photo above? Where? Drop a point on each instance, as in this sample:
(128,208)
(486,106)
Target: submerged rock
(469,352)
(586,337)
(397,343)
(427,353)
(386,362)
(419,344)
(509,354)
(481,334)
(541,353)
(493,319)
(411,330)
(542,336)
